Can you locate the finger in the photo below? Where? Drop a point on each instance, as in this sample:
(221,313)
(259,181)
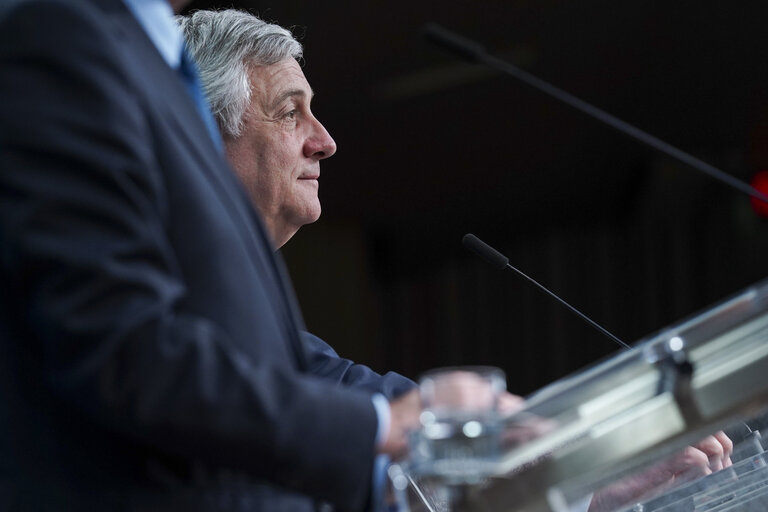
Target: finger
(692,464)
(727,445)
(691,474)
(692,461)
(509,403)
(718,448)
(714,450)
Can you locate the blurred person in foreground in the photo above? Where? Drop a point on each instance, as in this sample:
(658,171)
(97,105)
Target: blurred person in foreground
(151,355)
(261,100)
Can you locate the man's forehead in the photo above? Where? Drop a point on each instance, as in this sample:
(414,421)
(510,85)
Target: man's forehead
(281,95)
(282,75)
(281,80)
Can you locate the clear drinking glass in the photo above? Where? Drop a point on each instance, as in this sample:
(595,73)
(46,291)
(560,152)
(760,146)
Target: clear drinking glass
(460,436)
(462,391)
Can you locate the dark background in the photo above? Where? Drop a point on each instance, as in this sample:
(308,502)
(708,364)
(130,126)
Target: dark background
(431,148)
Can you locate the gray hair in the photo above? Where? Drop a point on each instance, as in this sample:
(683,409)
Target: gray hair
(225,44)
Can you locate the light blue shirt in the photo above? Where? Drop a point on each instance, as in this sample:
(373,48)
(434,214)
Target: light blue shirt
(156,18)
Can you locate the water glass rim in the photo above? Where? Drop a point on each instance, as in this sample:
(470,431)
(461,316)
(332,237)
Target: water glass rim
(478,369)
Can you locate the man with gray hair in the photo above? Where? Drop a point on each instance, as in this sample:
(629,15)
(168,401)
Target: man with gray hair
(261,101)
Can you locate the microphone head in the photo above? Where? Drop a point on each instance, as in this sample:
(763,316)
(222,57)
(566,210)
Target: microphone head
(485,251)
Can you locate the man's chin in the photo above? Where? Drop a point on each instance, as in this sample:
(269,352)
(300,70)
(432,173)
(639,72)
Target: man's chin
(312,218)
(308,216)
(311,212)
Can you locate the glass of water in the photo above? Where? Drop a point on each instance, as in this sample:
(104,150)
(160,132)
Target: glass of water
(460,436)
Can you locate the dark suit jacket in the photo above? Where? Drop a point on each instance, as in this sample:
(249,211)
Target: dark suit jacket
(325,362)
(150,350)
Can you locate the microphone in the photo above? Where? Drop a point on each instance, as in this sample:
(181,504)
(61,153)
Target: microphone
(475,52)
(498,260)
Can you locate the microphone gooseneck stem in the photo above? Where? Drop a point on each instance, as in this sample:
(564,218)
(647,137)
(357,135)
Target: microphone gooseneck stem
(573,309)
(473,51)
(498,260)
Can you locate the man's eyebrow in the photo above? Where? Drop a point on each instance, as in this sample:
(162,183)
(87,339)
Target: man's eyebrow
(290,93)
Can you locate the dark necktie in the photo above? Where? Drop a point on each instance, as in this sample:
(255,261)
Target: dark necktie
(188,71)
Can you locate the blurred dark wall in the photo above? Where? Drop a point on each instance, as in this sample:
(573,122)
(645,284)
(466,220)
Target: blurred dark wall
(431,148)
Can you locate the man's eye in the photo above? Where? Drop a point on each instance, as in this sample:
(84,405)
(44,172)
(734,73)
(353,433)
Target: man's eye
(291,115)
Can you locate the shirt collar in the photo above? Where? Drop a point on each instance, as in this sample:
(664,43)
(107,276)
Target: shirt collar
(156,18)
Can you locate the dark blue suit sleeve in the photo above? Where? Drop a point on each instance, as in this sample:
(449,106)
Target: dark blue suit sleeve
(326,363)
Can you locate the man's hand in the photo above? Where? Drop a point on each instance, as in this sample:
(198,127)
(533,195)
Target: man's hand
(404,418)
(509,404)
(718,448)
(709,455)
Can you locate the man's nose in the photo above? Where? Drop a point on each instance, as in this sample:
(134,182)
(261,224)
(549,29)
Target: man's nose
(320,145)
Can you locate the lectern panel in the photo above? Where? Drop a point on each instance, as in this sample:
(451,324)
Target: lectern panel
(612,437)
